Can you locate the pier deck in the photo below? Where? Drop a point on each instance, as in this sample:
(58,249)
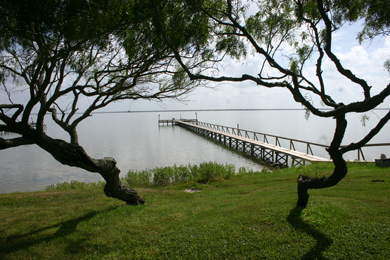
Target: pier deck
(174,121)
(271,154)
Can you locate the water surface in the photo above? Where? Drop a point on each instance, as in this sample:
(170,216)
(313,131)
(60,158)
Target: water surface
(137,142)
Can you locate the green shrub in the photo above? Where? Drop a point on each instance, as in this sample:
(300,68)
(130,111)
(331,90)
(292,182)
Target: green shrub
(244,171)
(182,174)
(164,176)
(212,171)
(75,185)
(139,179)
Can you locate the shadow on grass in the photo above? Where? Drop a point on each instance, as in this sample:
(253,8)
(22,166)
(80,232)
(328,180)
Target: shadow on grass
(323,241)
(23,241)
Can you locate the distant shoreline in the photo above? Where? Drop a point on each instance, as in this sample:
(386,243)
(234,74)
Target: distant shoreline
(216,110)
(199,110)
(210,110)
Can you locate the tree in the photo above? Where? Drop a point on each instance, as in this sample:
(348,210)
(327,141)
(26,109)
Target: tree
(287,36)
(61,50)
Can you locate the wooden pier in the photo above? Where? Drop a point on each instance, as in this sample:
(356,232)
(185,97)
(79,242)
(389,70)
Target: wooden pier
(274,155)
(174,121)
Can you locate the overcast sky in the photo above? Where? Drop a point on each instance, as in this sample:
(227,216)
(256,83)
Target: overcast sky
(364,60)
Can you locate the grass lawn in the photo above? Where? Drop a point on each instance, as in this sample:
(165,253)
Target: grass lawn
(250,216)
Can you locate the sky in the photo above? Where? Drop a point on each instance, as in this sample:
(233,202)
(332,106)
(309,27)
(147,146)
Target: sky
(365,60)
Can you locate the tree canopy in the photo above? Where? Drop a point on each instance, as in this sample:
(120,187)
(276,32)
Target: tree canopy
(286,37)
(64,52)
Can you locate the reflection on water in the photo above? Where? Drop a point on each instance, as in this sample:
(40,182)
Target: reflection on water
(137,142)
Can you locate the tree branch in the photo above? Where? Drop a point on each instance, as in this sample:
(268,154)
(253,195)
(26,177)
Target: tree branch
(368,137)
(333,57)
(19,110)
(15,142)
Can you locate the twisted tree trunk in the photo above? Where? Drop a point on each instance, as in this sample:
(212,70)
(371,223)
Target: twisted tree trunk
(306,182)
(74,155)
(71,154)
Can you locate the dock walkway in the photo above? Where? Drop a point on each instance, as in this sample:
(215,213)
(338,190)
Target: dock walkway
(268,153)
(174,121)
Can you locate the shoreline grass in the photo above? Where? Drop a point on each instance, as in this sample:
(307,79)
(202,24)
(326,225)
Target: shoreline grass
(246,216)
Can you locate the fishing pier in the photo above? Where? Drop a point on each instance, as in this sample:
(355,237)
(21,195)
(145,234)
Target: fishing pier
(174,121)
(248,143)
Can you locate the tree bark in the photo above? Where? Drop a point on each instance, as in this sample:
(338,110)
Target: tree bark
(115,189)
(306,182)
(74,155)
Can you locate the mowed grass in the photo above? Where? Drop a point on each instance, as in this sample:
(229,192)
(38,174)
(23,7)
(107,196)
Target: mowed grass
(249,216)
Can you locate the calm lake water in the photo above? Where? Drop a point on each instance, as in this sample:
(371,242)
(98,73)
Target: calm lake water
(137,142)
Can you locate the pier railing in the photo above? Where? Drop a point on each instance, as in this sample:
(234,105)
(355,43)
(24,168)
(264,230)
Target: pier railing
(241,140)
(277,139)
(285,142)
(173,121)
(263,137)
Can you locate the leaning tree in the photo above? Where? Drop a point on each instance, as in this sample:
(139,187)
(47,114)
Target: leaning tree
(286,37)
(57,54)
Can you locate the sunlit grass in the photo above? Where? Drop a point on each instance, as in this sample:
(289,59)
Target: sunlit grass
(249,216)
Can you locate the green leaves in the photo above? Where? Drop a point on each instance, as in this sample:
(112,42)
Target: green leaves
(387,65)
(233,46)
(72,20)
(180,78)
(297,61)
(274,19)
(165,176)
(294,66)
(364,118)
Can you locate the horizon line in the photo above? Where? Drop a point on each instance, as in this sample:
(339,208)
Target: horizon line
(215,109)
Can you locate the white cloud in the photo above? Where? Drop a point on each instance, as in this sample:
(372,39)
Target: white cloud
(365,61)
(357,56)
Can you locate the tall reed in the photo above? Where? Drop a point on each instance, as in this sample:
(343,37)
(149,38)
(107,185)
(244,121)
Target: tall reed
(164,176)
